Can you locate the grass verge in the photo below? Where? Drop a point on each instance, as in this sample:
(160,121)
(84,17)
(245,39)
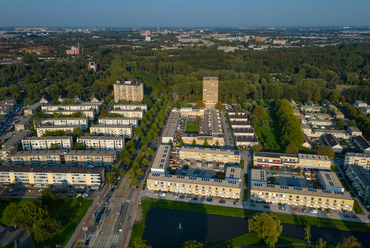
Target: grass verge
(357,208)
(345,185)
(251,239)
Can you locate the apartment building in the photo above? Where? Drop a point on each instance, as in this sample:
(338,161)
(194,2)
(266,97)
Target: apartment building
(210,91)
(362,144)
(212,140)
(78,107)
(11,146)
(209,154)
(319,116)
(361,181)
(236,112)
(354,131)
(318,122)
(241,124)
(47,143)
(242,132)
(360,159)
(339,134)
(112,130)
(119,121)
(190,112)
(360,104)
(332,142)
(22,124)
(143,107)
(314,108)
(309,161)
(246,141)
(67,129)
(270,159)
(75,176)
(90,114)
(136,113)
(81,121)
(31,110)
(330,181)
(128,91)
(37,158)
(338,115)
(169,132)
(194,185)
(161,159)
(102,143)
(90,158)
(238,118)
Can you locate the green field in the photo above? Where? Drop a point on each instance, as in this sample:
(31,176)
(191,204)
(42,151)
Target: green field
(251,239)
(191,127)
(266,134)
(244,213)
(69,216)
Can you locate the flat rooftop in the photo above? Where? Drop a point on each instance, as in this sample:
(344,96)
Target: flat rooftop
(171,126)
(362,174)
(17,137)
(162,157)
(111,126)
(209,150)
(128,83)
(57,126)
(313,157)
(258,175)
(100,138)
(273,154)
(53,169)
(330,179)
(48,138)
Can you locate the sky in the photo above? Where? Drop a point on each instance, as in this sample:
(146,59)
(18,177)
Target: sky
(185,13)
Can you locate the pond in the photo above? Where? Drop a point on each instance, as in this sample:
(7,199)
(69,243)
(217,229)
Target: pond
(170,228)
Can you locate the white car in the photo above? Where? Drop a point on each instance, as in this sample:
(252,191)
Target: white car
(313,211)
(162,194)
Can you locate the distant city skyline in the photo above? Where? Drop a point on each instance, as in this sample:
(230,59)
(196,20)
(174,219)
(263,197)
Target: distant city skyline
(191,13)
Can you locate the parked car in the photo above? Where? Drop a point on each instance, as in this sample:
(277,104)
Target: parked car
(210,199)
(222,201)
(236,202)
(174,196)
(313,211)
(346,216)
(155,193)
(281,207)
(266,206)
(297,210)
(195,198)
(329,213)
(354,216)
(181,196)
(163,194)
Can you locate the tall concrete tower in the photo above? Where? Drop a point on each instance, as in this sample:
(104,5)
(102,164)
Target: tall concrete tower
(210,91)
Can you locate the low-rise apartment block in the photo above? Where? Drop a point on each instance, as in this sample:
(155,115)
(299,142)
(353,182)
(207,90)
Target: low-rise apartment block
(118,121)
(136,113)
(169,132)
(102,143)
(246,141)
(190,112)
(75,108)
(31,110)
(360,159)
(361,178)
(212,140)
(238,118)
(67,129)
(362,144)
(319,122)
(90,114)
(354,131)
(143,107)
(11,146)
(90,158)
(82,122)
(241,124)
(339,134)
(209,154)
(22,124)
(314,108)
(76,176)
(242,132)
(161,159)
(313,161)
(332,142)
(360,104)
(112,130)
(47,143)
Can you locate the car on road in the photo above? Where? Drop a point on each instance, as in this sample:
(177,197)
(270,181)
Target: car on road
(162,194)
(236,202)
(329,213)
(222,201)
(354,216)
(14,194)
(156,193)
(202,198)
(210,199)
(282,208)
(174,196)
(296,210)
(181,196)
(266,206)
(368,217)
(188,197)
(346,216)
(313,211)
(195,198)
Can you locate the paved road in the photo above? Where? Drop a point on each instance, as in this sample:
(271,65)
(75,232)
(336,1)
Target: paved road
(227,133)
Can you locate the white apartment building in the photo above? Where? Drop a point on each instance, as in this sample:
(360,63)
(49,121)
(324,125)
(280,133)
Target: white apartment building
(82,121)
(90,114)
(102,143)
(119,121)
(112,130)
(136,113)
(79,107)
(143,107)
(67,129)
(45,143)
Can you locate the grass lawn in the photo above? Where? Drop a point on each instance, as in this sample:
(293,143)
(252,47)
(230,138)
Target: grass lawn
(18,201)
(191,127)
(266,135)
(345,185)
(334,169)
(357,208)
(10,245)
(79,245)
(244,213)
(251,239)
(69,217)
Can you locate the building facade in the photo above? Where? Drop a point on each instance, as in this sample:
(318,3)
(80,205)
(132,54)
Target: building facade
(67,129)
(119,121)
(136,113)
(82,122)
(102,143)
(47,143)
(143,107)
(210,91)
(128,91)
(112,130)
(209,154)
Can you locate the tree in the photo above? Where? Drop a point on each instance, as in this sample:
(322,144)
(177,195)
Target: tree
(77,132)
(145,162)
(339,124)
(257,147)
(46,229)
(78,146)
(200,104)
(326,151)
(10,214)
(48,197)
(54,91)
(109,178)
(54,147)
(259,112)
(68,101)
(121,172)
(267,226)
(66,200)
(74,194)
(320,243)
(291,149)
(307,234)
(194,143)
(80,200)
(350,242)
(192,244)
(30,213)
(139,243)
(170,142)
(219,106)
(352,123)
(114,169)
(205,142)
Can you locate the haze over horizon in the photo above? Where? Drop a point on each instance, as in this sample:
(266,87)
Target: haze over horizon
(204,13)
